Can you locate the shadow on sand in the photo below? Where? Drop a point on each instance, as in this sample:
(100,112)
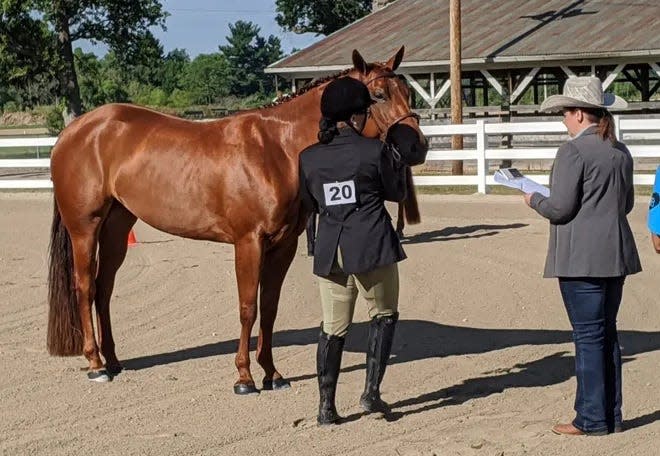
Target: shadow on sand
(419,340)
(454,233)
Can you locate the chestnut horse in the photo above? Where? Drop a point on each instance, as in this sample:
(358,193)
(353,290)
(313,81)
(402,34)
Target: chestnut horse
(234,180)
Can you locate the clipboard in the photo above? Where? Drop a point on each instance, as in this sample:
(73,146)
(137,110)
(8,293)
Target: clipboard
(511,177)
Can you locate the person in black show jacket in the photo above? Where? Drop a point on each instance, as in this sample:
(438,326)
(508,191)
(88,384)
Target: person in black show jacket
(345,178)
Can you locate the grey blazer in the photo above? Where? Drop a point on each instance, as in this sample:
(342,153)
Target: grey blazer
(591,194)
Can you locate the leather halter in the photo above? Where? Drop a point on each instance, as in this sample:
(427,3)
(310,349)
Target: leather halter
(409,114)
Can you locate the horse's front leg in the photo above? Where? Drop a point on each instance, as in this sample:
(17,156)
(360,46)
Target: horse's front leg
(249,255)
(276,265)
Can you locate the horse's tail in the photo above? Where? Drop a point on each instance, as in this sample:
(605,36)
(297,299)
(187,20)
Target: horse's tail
(410,206)
(64,330)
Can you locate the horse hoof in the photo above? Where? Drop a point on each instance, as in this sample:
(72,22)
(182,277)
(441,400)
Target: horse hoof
(244,389)
(101,376)
(276,384)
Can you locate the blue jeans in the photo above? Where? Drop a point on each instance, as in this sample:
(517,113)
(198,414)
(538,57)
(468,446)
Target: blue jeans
(592,305)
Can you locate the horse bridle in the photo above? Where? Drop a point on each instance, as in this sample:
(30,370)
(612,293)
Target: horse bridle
(409,114)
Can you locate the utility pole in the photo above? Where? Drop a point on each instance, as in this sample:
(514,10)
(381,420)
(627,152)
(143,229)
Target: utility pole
(455,77)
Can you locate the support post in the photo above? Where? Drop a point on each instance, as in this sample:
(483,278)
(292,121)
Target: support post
(455,77)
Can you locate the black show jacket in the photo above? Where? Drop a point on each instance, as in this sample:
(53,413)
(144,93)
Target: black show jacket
(347,182)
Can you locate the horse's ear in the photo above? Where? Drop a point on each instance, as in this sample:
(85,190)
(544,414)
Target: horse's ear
(358,62)
(395,61)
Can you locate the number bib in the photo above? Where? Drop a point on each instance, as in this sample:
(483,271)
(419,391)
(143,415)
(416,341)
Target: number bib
(339,193)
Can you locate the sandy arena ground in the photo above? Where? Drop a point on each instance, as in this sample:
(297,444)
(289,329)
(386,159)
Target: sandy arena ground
(482,363)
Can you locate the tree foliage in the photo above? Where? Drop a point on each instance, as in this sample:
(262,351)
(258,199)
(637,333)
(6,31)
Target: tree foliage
(39,66)
(28,57)
(206,78)
(319,16)
(56,24)
(248,54)
(173,68)
(121,24)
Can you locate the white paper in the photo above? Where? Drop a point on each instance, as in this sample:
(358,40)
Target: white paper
(339,193)
(511,177)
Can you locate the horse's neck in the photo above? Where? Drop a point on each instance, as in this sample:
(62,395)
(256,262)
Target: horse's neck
(301,116)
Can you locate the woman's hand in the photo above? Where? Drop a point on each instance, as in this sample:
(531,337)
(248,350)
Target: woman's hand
(528,199)
(655,239)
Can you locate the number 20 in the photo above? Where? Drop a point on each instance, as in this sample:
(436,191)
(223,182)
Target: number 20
(346,192)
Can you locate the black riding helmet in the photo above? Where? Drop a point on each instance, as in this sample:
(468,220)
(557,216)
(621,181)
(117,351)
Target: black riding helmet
(344,97)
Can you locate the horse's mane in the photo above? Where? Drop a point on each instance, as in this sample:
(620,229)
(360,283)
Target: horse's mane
(306,88)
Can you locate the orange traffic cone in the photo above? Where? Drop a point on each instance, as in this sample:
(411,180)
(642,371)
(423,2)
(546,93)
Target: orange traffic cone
(131,238)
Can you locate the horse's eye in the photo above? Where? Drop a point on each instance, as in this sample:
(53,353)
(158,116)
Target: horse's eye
(380,94)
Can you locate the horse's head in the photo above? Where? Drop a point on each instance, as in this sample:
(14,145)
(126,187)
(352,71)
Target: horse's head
(391,118)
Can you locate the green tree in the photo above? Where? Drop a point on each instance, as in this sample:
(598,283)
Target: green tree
(28,58)
(146,63)
(90,78)
(173,68)
(319,16)
(113,79)
(248,54)
(121,24)
(179,99)
(205,78)
(101,80)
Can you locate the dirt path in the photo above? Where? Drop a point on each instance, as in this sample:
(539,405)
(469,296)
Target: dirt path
(482,365)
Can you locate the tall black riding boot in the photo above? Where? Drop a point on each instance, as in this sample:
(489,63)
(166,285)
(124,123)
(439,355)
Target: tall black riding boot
(328,362)
(381,334)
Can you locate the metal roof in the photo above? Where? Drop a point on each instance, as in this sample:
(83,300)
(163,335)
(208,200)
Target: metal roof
(493,31)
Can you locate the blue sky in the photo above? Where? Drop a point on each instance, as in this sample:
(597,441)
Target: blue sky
(200,26)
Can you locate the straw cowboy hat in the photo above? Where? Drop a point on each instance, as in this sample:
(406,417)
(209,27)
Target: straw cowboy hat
(583,92)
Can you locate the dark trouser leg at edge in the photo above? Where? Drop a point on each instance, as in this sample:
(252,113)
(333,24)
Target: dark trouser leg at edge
(328,363)
(592,305)
(381,335)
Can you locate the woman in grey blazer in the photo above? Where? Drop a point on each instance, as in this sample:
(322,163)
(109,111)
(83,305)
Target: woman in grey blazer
(591,247)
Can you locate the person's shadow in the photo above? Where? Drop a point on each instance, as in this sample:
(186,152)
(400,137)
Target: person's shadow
(453,233)
(419,339)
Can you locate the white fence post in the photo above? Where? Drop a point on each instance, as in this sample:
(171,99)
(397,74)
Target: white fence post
(617,127)
(482,168)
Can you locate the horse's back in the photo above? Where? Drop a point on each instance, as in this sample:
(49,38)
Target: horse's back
(177,175)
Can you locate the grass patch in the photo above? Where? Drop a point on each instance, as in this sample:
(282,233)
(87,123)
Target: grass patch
(25,152)
(23,127)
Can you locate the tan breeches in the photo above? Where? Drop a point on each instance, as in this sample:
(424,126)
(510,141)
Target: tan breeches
(339,291)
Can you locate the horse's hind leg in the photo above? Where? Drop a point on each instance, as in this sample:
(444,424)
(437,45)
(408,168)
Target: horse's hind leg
(83,243)
(112,251)
(249,255)
(276,265)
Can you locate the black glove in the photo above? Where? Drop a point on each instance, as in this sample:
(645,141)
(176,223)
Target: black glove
(407,144)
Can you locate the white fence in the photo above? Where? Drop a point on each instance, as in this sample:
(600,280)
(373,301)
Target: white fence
(26,163)
(482,154)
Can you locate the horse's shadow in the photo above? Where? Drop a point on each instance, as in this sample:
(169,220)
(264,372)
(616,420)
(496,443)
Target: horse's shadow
(453,233)
(414,340)
(418,339)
